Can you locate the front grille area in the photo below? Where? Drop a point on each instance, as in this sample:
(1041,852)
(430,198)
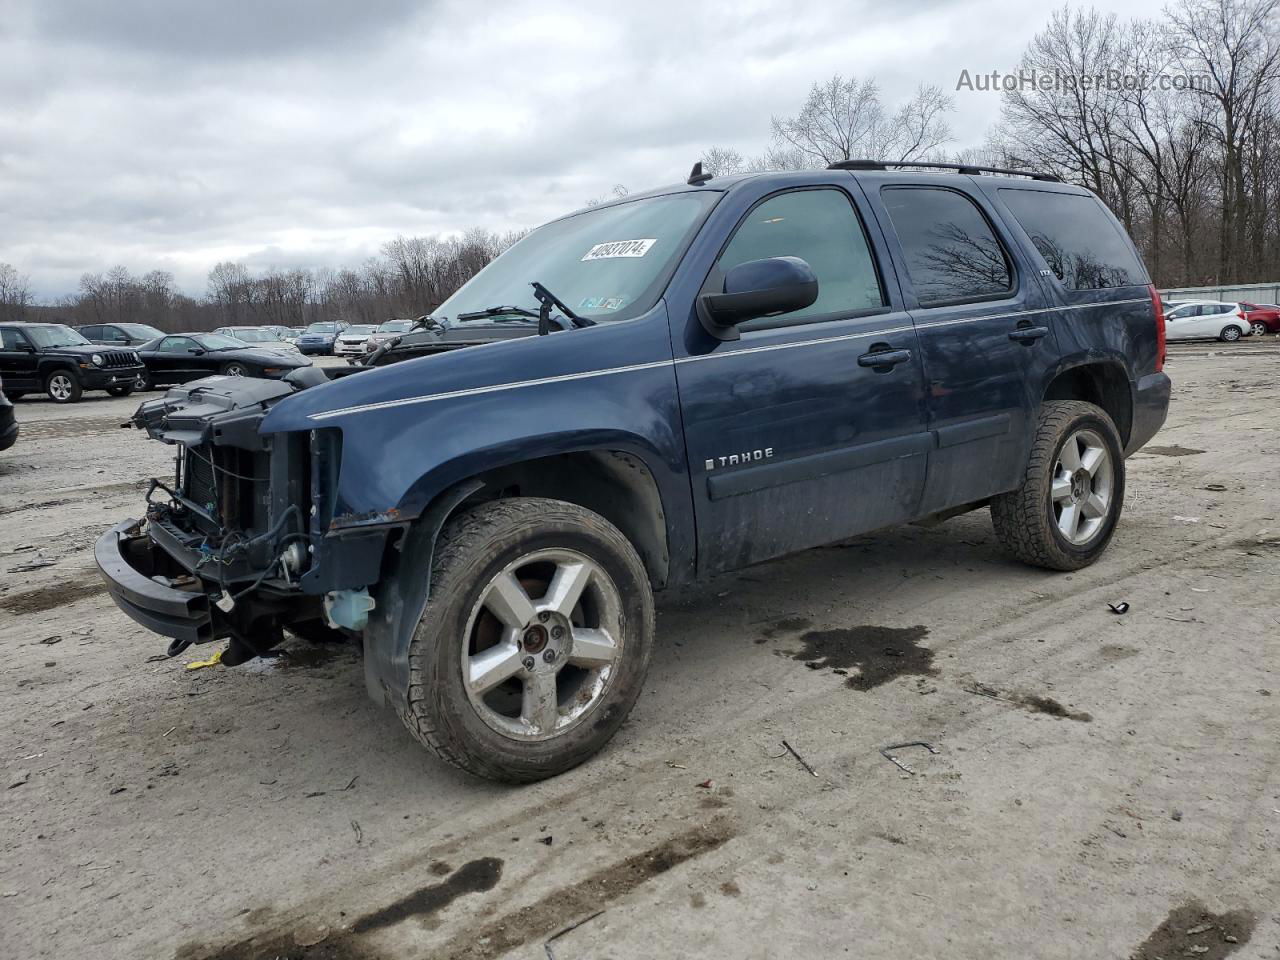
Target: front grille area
(230,486)
(118,358)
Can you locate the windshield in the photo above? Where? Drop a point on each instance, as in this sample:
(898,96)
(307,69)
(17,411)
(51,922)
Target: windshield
(323,328)
(608,263)
(252,336)
(54,335)
(140,330)
(364,329)
(216,341)
(395,326)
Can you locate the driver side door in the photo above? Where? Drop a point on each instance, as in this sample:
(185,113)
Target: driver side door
(795,435)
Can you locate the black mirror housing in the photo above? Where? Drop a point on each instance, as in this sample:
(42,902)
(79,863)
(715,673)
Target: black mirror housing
(757,288)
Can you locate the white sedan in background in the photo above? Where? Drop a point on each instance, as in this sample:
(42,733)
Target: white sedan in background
(350,342)
(1206,320)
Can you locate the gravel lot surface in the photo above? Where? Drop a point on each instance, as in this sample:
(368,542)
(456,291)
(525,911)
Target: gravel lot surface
(1103,785)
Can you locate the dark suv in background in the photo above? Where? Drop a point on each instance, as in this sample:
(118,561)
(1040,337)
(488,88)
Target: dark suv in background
(712,374)
(55,359)
(118,334)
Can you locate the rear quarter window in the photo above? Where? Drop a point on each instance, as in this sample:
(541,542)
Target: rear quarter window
(1080,243)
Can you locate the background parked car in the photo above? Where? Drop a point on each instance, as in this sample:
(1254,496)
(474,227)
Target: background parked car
(320,336)
(351,342)
(177,358)
(385,331)
(119,334)
(1206,320)
(54,358)
(263,337)
(1262,317)
(8,422)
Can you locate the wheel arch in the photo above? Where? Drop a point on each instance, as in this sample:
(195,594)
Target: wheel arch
(1104,383)
(617,483)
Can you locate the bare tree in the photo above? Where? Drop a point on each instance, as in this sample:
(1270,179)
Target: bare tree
(15,293)
(844,118)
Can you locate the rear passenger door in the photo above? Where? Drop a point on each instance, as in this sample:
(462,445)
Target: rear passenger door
(18,360)
(796,436)
(979,313)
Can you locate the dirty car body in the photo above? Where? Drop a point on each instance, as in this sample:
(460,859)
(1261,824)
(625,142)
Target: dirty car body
(760,365)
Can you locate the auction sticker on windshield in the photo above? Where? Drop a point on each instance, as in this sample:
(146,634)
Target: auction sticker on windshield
(619,248)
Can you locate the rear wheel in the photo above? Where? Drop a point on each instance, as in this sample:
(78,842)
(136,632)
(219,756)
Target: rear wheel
(535,642)
(1065,511)
(1231,334)
(62,386)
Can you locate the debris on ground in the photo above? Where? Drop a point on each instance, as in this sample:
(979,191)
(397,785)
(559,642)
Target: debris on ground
(33,565)
(563,930)
(707,784)
(21,777)
(1120,608)
(213,661)
(884,752)
(803,762)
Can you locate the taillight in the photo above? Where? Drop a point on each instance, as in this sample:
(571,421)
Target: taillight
(1158,307)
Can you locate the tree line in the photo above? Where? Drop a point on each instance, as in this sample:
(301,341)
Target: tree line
(1191,167)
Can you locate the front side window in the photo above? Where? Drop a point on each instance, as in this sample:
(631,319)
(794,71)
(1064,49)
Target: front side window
(606,263)
(176,344)
(951,251)
(822,228)
(1079,242)
(11,339)
(113,334)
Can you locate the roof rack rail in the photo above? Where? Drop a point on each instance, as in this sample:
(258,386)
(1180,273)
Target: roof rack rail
(968,168)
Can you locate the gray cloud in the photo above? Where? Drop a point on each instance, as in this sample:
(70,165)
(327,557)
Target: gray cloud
(307,132)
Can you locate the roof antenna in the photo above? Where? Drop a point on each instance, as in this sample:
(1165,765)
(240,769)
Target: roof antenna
(696,177)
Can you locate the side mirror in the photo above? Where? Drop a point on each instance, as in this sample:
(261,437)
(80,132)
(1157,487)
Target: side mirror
(197,351)
(757,288)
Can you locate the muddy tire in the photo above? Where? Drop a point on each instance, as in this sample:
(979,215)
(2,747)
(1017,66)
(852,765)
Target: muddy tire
(1064,513)
(534,643)
(63,386)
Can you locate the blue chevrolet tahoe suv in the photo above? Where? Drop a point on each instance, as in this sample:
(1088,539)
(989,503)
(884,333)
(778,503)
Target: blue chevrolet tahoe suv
(728,370)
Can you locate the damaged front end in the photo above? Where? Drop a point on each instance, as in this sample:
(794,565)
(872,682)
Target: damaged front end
(232,546)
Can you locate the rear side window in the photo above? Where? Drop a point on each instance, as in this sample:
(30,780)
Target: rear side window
(951,251)
(11,339)
(1080,243)
(822,228)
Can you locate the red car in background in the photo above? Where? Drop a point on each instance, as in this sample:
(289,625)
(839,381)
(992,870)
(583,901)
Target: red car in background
(1263,317)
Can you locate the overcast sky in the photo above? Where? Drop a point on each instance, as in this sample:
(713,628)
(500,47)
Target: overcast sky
(306,132)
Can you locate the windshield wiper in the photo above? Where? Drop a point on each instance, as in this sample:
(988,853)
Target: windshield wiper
(507,311)
(549,300)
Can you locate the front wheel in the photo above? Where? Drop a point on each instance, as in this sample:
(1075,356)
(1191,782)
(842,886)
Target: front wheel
(535,642)
(1231,334)
(234,369)
(142,382)
(1063,514)
(63,387)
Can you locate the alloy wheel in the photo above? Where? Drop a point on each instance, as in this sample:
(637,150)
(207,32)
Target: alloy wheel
(1259,328)
(60,386)
(542,644)
(1083,483)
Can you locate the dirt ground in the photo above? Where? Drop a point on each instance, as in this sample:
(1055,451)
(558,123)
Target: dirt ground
(1100,785)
